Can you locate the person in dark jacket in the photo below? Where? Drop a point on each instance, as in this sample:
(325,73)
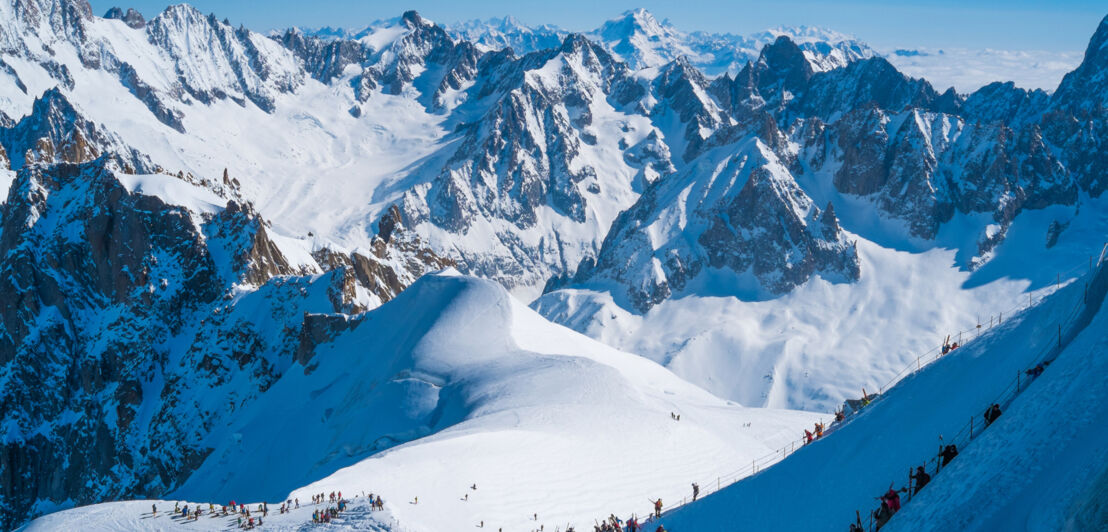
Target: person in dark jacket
(921,477)
(949,453)
(992,414)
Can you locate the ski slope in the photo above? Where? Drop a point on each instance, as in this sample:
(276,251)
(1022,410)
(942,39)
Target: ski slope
(1031,470)
(455,383)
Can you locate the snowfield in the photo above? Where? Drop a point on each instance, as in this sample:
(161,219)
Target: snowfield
(820,344)
(484,391)
(1039,467)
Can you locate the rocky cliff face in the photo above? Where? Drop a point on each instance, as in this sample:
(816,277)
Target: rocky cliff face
(56,132)
(532,173)
(119,312)
(736,211)
(131,18)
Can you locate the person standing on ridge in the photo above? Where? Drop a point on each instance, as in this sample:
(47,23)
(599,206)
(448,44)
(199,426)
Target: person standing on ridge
(695,491)
(658,507)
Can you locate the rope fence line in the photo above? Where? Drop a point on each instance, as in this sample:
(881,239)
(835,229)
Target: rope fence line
(1050,352)
(760,464)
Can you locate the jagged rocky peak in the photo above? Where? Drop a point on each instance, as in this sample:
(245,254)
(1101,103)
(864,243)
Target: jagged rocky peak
(214,61)
(369,278)
(412,20)
(784,63)
(255,257)
(65,17)
(682,88)
(132,18)
(55,131)
(1005,103)
(324,58)
(868,82)
(392,63)
(1085,90)
(745,215)
(776,79)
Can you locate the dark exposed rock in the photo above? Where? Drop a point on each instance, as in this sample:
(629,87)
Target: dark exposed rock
(149,97)
(396,259)
(745,214)
(132,18)
(680,87)
(56,132)
(1004,103)
(1082,92)
(104,287)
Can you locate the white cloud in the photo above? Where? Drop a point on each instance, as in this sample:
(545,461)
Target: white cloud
(967,69)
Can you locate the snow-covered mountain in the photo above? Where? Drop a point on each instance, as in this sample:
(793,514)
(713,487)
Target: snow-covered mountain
(508,32)
(641,41)
(197,215)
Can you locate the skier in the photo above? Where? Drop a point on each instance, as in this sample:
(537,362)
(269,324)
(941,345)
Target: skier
(658,507)
(921,477)
(949,453)
(154,509)
(807,436)
(695,490)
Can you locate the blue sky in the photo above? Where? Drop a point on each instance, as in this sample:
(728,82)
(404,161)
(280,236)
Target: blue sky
(1061,25)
